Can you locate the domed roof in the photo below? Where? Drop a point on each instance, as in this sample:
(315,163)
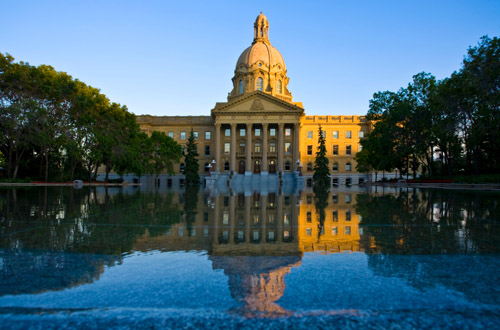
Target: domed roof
(261,53)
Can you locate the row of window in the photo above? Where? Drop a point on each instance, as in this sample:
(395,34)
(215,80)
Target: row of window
(259,85)
(335,217)
(208,135)
(335,167)
(335,232)
(348,134)
(257,132)
(348,150)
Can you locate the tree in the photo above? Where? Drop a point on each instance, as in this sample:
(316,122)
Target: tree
(192,167)
(166,152)
(321,174)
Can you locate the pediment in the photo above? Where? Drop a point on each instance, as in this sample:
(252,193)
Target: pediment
(257,102)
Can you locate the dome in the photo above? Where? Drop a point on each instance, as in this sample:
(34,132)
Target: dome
(261,67)
(264,54)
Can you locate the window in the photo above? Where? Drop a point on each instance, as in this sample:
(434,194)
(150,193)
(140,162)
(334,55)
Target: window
(347,215)
(257,147)
(335,134)
(348,198)
(227,148)
(205,216)
(348,150)
(240,87)
(183,135)
(242,132)
(348,182)
(335,149)
(348,134)
(308,231)
(181,167)
(309,150)
(272,132)
(207,150)
(287,166)
(286,219)
(335,167)
(288,132)
(335,198)
(348,230)
(334,231)
(361,181)
(272,147)
(271,235)
(309,134)
(242,148)
(309,199)
(171,134)
(207,135)
(260,84)
(225,218)
(335,181)
(195,134)
(183,150)
(309,217)
(288,148)
(323,134)
(360,147)
(335,216)
(309,167)
(227,132)
(279,87)
(226,166)
(207,168)
(361,134)
(348,167)
(257,132)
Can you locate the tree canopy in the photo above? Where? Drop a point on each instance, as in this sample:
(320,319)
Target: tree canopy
(440,127)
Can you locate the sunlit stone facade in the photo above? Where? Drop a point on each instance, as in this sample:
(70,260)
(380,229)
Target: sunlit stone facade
(260,129)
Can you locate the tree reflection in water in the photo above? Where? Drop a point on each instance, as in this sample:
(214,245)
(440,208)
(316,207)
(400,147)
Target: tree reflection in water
(56,238)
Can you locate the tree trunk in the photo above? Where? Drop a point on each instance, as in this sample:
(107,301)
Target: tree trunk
(47,167)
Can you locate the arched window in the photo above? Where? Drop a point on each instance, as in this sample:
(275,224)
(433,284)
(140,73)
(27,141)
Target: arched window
(260,84)
(309,167)
(279,88)
(240,87)
(335,167)
(348,167)
(226,166)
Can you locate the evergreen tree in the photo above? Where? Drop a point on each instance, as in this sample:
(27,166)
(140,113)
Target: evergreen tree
(192,166)
(321,174)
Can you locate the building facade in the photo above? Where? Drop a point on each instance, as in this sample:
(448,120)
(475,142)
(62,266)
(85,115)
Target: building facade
(260,129)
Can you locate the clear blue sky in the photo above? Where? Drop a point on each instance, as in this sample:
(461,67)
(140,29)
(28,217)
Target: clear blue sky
(178,57)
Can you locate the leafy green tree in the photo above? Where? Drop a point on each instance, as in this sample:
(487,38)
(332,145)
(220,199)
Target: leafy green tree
(321,174)
(192,167)
(166,152)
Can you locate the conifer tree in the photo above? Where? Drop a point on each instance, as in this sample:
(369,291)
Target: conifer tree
(321,174)
(192,167)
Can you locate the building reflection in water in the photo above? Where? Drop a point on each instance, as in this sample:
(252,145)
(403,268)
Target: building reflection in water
(256,239)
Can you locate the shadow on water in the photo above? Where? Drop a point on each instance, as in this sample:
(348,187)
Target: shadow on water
(57,238)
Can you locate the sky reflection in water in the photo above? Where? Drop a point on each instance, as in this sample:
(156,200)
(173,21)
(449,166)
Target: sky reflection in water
(408,253)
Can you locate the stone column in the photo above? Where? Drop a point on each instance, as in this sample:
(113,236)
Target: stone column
(296,144)
(248,150)
(248,222)
(232,166)
(280,147)
(279,217)
(263,214)
(264,166)
(217,147)
(232,220)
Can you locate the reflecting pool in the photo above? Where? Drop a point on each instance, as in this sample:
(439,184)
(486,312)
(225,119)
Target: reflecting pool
(136,257)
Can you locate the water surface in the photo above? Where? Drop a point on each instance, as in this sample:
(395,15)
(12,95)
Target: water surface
(140,258)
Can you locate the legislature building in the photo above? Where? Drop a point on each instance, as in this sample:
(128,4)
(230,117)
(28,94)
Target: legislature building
(260,130)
